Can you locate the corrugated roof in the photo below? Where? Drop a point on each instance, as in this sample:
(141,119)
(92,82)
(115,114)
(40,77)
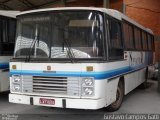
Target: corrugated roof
(22,5)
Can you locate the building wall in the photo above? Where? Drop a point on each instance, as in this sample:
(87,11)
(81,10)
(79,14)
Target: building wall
(147,13)
(116,4)
(80,3)
(86,3)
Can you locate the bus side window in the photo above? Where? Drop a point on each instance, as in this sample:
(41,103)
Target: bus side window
(7,35)
(128,36)
(12,30)
(115,43)
(150,46)
(137,37)
(144,41)
(131,37)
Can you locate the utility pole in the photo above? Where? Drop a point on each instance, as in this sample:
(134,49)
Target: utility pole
(63,2)
(123,8)
(106,3)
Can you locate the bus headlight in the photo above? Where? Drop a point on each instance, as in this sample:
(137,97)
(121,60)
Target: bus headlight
(16,79)
(87,87)
(16,83)
(16,88)
(87,82)
(87,91)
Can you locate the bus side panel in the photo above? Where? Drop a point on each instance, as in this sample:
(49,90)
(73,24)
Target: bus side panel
(100,88)
(134,79)
(142,74)
(4,73)
(130,83)
(111,91)
(138,61)
(106,89)
(4,81)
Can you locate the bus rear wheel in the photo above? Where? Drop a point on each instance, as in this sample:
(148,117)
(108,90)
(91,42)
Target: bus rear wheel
(119,99)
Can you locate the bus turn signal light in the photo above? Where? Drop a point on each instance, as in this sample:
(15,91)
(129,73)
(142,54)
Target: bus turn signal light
(48,67)
(14,67)
(89,68)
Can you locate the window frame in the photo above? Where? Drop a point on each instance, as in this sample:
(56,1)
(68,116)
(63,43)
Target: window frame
(145,33)
(151,42)
(103,59)
(7,46)
(133,40)
(114,57)
(142,30)
(140,35)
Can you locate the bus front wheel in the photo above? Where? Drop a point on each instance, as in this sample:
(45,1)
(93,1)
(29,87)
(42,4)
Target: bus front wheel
(119,98)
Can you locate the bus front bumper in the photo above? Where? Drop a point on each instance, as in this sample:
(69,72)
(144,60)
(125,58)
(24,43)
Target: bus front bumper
(58,102)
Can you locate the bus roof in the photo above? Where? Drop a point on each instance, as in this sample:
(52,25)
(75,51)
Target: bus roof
(9,13)
(114,13)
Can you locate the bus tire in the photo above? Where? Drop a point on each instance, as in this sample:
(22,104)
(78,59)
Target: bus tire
(119,98)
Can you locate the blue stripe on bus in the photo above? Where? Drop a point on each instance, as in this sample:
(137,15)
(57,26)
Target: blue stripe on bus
(96,75)
(4,65)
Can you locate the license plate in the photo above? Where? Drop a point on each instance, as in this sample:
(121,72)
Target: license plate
(46,101)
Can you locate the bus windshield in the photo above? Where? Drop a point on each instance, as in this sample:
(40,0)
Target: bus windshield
(60,34)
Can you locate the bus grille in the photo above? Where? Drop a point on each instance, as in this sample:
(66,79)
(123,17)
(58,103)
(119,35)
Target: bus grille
(56,85)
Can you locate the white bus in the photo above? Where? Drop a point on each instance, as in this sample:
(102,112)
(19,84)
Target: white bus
(82,58)
(7,41)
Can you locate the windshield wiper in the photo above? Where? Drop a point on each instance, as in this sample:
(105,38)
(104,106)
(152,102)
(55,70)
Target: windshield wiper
(69,51)
(30,50)
(33,44)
